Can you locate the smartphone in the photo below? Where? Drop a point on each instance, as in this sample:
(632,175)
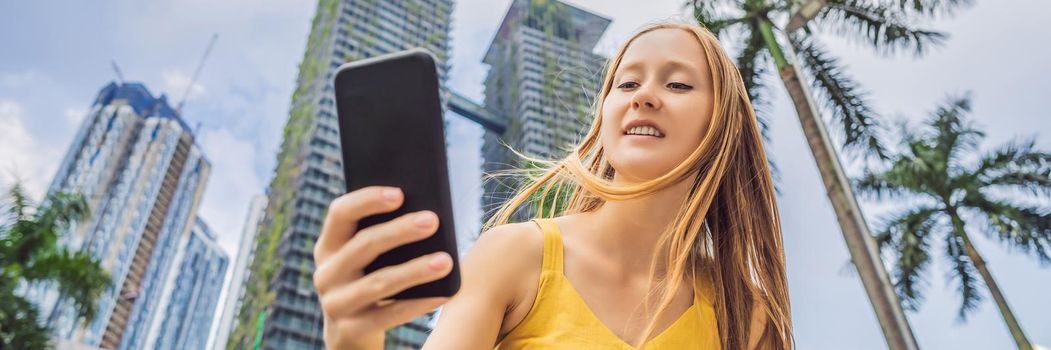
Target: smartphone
(391,130)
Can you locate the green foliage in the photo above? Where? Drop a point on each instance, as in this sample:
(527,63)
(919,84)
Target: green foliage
(30,254)
(887,27)
(552,203)
(312,69)
(930,170)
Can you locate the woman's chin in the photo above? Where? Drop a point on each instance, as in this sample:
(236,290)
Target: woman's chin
(640,170)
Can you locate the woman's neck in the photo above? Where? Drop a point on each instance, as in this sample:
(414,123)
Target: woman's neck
(628,231)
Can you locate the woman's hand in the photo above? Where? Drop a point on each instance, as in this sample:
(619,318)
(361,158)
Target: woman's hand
(354,304)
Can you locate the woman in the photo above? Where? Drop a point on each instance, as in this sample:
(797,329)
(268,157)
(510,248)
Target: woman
(670,237)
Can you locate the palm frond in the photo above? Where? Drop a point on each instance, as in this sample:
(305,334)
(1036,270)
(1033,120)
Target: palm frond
(63,210)
(36,233)
(1011,156)
(1023,227)
(906,235)
(707,14)
(876,185)
(1034,182)
(18,204)
(931,8)
(752,63)
(922,166)
(15,332)
(963,272)
(954,135)
(911,172)
(1016,165)
(842,96)
(78,276)
(880,26)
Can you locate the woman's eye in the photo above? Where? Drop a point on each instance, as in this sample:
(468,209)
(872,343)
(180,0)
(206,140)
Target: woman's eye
(679,86)
(628,85)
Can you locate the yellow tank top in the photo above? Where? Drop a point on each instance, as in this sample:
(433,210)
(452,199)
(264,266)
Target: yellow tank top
(559,318)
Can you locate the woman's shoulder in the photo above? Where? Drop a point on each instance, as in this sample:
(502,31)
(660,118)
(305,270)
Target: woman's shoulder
(521,237)
(503,267)
(506,253)
(515,247)
(514,239)
(514,250)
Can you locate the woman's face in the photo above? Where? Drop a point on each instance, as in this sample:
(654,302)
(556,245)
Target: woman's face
(663,84)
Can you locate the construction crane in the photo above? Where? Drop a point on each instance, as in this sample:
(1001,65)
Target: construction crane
(120,77)
(182,102)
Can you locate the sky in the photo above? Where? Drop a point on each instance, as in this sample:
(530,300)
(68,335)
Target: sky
(55,56)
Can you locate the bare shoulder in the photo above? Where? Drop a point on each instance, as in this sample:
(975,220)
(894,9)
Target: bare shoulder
(504,255)
(494,276)
(508,259)
(509,242)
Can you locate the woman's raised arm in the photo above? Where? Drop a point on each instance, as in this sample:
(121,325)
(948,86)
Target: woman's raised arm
(503,262)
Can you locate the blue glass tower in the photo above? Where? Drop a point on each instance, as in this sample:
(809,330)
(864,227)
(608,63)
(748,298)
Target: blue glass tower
(135,160)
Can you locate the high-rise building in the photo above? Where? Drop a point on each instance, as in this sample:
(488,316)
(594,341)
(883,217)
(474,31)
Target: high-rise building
(542,81)
(191,293)
(280,309)
(135,160)
(234,293)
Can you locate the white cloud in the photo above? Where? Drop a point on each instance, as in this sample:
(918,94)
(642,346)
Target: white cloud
(176,83)
(74,115)
(21,157)
(12,80)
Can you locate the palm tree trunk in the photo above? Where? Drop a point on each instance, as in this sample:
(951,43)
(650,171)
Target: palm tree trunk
(862,246)
(994,289)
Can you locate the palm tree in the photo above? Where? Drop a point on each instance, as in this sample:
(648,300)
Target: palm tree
(945,193)
(30,253)
(884,26)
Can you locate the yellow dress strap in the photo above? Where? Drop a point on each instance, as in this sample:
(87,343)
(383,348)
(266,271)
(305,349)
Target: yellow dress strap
(560,319)
(552,245)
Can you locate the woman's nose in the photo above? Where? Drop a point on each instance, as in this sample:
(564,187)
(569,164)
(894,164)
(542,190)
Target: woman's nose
(644,98)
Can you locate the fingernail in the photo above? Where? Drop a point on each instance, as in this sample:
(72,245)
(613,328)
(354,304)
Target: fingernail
(423,219)
(438,261)
(392,194)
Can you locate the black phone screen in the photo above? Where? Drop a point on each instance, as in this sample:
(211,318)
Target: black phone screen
(391,130)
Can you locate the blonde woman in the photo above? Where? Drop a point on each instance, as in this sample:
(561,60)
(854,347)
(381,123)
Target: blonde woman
(670,238)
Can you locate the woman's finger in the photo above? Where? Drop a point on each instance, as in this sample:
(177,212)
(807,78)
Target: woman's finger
(378,319)
(349,299)
(345,211)
(403,311)
(347,263)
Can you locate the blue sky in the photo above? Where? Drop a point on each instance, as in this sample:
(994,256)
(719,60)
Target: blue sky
(56,55)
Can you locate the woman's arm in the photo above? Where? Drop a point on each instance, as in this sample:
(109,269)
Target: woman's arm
(492,276)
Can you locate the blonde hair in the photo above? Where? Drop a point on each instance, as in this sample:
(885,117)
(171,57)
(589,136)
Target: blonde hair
(727,235)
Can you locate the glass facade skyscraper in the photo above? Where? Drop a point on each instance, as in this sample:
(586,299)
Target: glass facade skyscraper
(135,160)
(542,80)
(280,309)
(191,293)
(235,292)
